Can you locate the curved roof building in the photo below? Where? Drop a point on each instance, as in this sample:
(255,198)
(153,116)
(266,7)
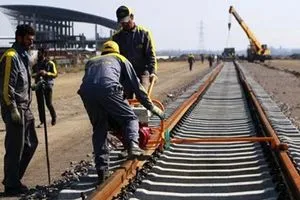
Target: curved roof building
(55,26)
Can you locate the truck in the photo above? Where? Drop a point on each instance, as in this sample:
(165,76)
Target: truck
(256,50)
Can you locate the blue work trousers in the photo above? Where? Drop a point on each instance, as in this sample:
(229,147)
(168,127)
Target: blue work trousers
(100,109)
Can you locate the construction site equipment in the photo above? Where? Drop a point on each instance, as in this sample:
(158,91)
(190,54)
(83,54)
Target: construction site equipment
(256,50)
(228,54)
(143,116)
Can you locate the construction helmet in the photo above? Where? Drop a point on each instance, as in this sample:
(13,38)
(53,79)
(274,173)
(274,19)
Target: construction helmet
(110,47)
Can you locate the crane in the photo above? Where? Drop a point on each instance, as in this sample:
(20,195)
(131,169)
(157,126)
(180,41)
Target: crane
(256,50)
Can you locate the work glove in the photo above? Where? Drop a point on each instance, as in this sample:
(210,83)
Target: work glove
(42,72)
(39,85)
(153,77)
(158,112)
(15,116)
(33,87)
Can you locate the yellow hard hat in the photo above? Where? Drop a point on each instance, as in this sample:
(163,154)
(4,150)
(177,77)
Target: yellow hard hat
(110,47)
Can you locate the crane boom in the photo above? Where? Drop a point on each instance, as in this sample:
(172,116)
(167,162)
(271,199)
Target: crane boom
(257,51)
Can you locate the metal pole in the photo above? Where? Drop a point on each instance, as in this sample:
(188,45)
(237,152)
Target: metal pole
(96,38)
(45,131)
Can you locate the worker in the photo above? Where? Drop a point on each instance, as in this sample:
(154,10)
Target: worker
(191,60)
(44,70)
(15,95)
(137,45)
(210,60)
(101,91)
(202,58)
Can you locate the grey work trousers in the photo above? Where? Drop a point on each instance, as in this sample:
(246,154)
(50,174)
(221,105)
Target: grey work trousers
(100,109)
(20,144)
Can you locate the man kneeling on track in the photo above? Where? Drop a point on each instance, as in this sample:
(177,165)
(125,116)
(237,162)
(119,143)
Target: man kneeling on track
(102,94)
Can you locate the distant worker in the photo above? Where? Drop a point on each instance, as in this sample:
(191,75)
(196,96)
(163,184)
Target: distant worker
(101,91)
(191,60)
(202,58)
(210,60)
(136,44)
(219,58)
(15,94)
(45,70)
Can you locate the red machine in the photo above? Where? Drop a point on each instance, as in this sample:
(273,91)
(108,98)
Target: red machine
(143,116)
(144,135)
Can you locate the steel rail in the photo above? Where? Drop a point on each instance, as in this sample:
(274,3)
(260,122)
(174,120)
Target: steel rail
(172,120)
(197,150)
(211,170)
(121,176)
(128,170)
(289,169)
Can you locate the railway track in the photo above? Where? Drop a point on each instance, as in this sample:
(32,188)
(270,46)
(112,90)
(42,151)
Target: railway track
(210,170)
(218,149)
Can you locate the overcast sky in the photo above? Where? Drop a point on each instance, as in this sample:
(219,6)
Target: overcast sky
(175,24)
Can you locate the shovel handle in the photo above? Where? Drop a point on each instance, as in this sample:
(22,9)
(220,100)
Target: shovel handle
(151,86)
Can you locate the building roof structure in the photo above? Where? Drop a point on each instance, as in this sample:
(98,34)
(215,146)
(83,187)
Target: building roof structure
(55,26)
(54,13)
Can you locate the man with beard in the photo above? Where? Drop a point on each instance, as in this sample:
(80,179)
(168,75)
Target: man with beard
(137,45)
(15,95)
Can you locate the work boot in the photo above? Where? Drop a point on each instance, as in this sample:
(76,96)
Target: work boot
(15,191)
(134,150)
(53,121)
(102,176)
(40,125)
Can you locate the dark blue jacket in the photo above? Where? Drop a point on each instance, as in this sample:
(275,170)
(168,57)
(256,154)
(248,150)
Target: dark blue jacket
(138,47)
(109,74)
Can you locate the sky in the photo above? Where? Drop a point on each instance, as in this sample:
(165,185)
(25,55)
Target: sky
(176,24)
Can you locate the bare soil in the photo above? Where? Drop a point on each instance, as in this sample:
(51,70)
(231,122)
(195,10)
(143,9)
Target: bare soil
(280,81)
(290,65)
(70,139)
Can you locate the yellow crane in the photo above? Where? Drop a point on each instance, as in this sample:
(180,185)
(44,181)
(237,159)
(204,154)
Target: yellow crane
(256,50)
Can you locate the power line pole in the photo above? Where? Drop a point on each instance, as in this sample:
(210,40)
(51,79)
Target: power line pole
(96,37)
(201,37)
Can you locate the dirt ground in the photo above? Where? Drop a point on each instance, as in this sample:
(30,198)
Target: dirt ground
(280,78)
(289,65)
(70,139)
